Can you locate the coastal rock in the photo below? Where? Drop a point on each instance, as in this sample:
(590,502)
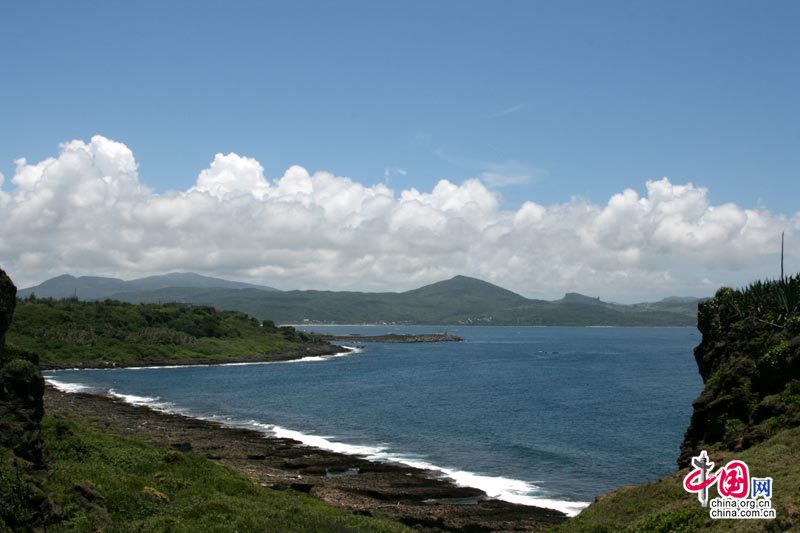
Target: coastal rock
(749,359)
(418,498)
(24,505)
(21,388)
(8,301)
(21,409)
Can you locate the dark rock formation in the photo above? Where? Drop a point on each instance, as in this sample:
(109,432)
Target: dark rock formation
(8,301)
(23,504)
(749,359)
(21,388)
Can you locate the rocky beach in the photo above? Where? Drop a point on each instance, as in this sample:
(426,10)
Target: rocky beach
(414,497)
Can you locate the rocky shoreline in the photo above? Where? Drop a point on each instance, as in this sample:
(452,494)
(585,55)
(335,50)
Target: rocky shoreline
(310,350)
(415,497)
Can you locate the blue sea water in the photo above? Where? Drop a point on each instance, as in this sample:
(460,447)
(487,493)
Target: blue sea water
(547,416)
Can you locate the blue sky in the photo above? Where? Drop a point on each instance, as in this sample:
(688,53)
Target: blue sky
(581,98)
(520,142)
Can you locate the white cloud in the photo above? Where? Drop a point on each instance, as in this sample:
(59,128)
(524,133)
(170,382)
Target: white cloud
(232,174)
(85,211)
(509,173)
(390,172)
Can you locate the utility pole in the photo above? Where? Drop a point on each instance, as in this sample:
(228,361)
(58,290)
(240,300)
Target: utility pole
(782,256)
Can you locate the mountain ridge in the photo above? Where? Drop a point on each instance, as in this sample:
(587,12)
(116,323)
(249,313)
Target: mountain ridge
(99,287)
(459,300)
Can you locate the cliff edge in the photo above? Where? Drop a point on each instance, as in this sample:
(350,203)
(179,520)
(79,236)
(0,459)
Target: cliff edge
(749,359)
(22,502)
(749,409)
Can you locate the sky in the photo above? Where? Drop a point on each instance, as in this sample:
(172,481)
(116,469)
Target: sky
(628,150)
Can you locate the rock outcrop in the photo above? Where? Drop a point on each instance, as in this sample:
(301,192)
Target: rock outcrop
(8,302)
(21,388)
(23,503)
(749,359)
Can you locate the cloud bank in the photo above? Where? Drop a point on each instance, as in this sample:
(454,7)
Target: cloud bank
(86,212)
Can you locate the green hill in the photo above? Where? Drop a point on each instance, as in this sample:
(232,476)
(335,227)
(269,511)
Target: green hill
(460,300)
(99,288)
(71,332)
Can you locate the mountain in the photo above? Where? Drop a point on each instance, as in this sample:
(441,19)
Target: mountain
(189,279)
(576,298)
(460,300)
(677,300)
(99,288)
(66,286)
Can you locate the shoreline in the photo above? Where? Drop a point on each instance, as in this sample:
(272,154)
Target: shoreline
(395,338)
(455,326)
(398,492)
(312,350)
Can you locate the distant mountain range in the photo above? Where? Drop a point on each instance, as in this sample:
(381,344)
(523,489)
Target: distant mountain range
(98,288)
(460,300)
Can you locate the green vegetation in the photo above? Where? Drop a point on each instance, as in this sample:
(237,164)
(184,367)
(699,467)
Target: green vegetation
(460,300)
(99,288)
(99,481)
(58,475)
(65,332)
(664,506)
(21,410)
(749,359)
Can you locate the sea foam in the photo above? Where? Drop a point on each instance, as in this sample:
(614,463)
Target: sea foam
(67,387)
(496,487)
(351,350)
(147,401)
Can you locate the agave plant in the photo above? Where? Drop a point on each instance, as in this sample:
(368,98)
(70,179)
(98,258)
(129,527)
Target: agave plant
(772,301)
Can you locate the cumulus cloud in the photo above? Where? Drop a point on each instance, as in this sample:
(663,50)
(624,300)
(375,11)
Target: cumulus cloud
(86,211)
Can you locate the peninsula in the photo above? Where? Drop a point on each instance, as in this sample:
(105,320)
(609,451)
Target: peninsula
(394,338)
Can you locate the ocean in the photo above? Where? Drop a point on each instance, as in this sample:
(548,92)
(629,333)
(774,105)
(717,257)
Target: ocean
(542,416)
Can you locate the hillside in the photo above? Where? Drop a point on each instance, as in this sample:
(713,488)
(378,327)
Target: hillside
(70,333)
(663,506)
(460,300)
(100,288)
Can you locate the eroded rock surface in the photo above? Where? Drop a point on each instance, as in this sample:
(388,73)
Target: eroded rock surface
(749,359)
(23,504)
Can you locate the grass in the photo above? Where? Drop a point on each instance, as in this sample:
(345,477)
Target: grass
(100,481)
(67,332)
(663,506)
